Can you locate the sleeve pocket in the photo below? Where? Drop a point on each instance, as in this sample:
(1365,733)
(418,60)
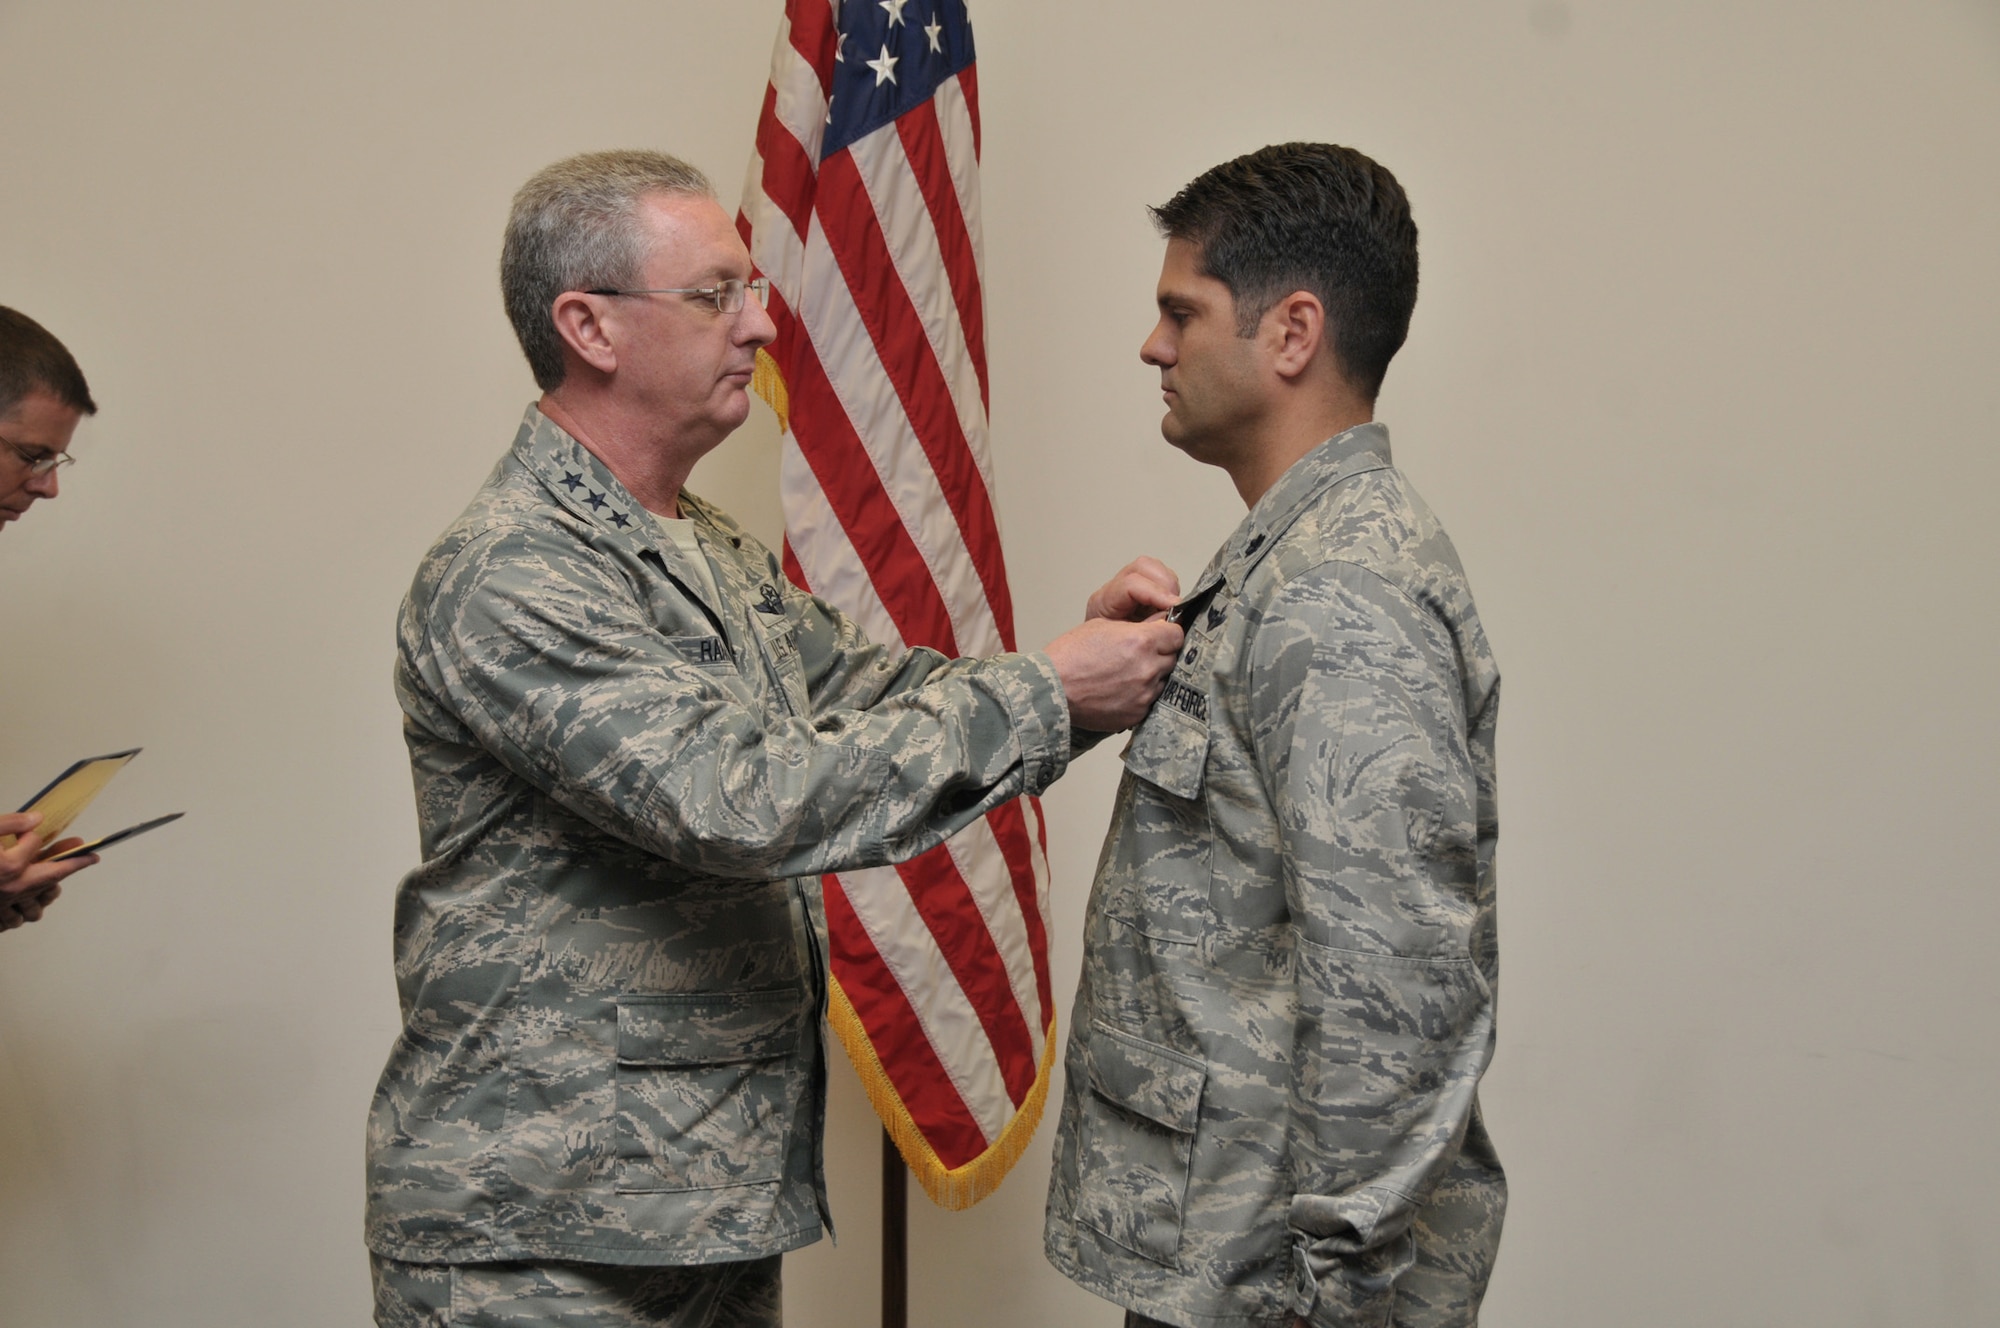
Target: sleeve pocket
(1137,1142)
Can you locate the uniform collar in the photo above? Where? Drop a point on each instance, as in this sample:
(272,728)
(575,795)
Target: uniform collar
(1363,448)
(584,486)
(579,482)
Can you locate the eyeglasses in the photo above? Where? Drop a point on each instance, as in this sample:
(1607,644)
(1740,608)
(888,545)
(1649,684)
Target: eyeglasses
(38,465)
(728,295)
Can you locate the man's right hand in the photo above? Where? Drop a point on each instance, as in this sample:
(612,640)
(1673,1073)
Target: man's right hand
(27,886)
(1111,671)
(1143,588)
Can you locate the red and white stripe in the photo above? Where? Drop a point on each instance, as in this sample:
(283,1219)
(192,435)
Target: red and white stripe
(874,260)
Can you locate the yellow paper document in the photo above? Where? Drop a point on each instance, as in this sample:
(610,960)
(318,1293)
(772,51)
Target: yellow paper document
(65,798)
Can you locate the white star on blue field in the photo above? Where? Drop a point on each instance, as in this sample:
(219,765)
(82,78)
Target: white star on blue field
(911,60)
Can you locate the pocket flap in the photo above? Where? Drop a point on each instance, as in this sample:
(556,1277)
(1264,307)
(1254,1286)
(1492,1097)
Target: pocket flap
(1169,749)
(710,1027)
(1161,1085)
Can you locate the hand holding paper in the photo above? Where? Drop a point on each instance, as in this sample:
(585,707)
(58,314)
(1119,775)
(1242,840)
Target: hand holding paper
(31,868)
(27,883)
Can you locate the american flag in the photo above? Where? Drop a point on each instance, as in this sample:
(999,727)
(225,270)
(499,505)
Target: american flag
(862,207)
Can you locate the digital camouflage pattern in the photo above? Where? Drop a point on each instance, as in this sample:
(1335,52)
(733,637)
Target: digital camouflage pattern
(745,1294)
(1289,963)
(610,960)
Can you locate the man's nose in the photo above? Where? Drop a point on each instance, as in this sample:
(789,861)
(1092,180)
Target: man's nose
(44,486)
(754,326)
(1156,351)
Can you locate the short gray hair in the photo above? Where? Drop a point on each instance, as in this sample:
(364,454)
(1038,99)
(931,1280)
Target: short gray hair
(576,226)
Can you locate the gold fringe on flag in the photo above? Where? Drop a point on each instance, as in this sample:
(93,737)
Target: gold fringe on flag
(768,382)
(951,1188)
(948,1188)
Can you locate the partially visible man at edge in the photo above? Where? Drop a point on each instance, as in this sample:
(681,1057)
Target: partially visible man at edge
(1271,1114)
(636,747)
(42,396)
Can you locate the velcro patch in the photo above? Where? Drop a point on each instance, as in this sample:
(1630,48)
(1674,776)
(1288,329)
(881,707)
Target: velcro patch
(710,652)
(1188,700)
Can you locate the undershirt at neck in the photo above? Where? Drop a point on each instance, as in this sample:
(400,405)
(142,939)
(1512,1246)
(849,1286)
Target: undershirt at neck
(681,531)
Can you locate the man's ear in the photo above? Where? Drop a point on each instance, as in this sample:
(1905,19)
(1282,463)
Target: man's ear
(1297,325)
(579,323)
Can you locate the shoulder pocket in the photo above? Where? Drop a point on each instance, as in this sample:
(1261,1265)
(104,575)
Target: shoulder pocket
(1136,1142)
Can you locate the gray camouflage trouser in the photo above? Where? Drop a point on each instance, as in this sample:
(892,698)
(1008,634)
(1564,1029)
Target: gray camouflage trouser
(575,1295)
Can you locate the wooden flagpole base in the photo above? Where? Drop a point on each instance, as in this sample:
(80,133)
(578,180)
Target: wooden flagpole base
(895,1237)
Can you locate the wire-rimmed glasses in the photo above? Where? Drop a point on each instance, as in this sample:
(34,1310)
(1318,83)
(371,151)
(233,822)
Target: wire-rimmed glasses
(728,295)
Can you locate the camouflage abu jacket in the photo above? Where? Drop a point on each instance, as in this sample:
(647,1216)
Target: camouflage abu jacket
(610,983)
(1289,963)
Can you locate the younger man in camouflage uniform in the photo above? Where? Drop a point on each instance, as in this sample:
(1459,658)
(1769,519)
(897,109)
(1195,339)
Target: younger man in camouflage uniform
(1271,1115)
(636,746)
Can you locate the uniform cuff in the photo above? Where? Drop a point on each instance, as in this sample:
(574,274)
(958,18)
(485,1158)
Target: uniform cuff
(1041,720)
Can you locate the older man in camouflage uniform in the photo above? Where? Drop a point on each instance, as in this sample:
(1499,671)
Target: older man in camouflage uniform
(635,747)
(1271,1113)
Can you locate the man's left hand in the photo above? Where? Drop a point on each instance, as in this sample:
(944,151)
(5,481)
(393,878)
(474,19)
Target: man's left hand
(17,909)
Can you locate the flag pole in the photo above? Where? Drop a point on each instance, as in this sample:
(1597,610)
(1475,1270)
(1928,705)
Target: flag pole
(895,1237)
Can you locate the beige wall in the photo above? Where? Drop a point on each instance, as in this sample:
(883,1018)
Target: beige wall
(1703,381)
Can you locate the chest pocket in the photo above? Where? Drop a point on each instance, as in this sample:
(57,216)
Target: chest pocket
(1159,877)
(708,652)
(778,638)
(1170,750)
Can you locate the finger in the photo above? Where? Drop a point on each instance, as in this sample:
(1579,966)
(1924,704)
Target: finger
(62,871)
(1157,572)
(19,858)
(1152,594)
(13,823)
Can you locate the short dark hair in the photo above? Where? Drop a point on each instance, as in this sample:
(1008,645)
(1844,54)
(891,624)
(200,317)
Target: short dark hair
(1311,217)
(31,358)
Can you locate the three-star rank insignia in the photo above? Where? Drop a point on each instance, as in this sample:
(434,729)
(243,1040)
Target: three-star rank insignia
(768,600)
